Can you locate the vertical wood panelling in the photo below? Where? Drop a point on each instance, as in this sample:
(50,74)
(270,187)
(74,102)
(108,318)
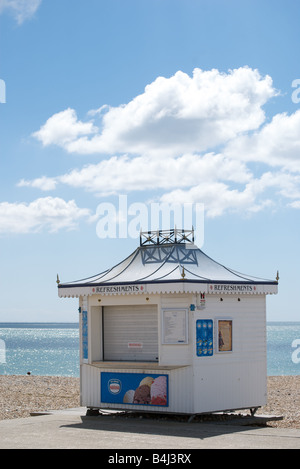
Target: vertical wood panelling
(228,380)
(180,389)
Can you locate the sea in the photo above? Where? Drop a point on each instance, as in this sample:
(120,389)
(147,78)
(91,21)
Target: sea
(52,349)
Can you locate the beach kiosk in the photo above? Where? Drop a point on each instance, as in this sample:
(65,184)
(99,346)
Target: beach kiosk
(171,330)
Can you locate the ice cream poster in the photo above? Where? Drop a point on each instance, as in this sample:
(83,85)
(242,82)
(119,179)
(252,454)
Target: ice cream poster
(134,388)
(204,338)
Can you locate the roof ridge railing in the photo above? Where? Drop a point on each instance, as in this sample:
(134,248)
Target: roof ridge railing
(165,237)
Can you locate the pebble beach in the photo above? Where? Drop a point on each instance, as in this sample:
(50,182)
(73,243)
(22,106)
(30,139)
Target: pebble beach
(20,396)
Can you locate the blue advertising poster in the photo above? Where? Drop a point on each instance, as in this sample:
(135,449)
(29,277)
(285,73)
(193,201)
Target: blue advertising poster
(134,388)
(84,335)
(204,338)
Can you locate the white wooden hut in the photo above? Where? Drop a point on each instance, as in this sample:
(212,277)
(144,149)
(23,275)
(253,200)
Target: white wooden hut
(171,330)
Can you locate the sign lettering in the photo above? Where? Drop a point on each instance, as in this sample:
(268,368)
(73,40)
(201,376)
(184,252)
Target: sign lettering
(232,288)
(119,289)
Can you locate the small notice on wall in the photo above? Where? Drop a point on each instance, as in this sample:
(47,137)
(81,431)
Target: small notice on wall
(175,326)
(135,345)
(225,336)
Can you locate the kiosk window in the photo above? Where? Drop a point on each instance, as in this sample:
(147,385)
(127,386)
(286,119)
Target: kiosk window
(225,335)
(130,333)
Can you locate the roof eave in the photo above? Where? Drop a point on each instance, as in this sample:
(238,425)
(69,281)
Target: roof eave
(175,286)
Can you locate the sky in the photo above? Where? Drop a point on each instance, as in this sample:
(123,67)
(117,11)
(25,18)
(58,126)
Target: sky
(150,102)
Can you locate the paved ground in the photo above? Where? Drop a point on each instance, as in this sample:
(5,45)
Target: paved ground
(71,429)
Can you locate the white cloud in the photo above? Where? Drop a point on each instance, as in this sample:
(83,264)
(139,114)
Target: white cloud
(284,183)
(63,128)
(43,183)
(276,144)
(22,10)
(123,174)
(257,194)
(48,213)
(295,204)
(191,138)
(218,198)
(176,115)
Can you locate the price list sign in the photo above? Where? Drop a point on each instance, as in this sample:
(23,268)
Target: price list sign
(204,338)
(175,326)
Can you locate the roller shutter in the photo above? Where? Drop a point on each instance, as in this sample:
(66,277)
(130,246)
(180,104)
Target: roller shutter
(130,333)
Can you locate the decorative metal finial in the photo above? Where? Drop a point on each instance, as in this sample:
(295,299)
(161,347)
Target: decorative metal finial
(277,276)
(57,280)
(166,237)
(183,273)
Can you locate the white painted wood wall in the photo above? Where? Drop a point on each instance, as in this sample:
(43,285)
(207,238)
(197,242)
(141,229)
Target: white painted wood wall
(224,381)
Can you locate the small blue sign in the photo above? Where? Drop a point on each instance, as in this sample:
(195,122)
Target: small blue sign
(135,388)
(84,324)
(204,338)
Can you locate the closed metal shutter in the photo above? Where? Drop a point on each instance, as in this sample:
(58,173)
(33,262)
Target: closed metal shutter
(130,333)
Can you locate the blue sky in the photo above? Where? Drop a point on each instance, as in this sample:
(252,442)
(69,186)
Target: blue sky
(159,100)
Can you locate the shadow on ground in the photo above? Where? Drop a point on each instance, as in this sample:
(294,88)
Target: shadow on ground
(177,426)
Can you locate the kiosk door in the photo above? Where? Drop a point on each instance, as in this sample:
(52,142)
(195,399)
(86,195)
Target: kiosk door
(130,333)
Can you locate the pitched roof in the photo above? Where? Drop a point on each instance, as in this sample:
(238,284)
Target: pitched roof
(167,263)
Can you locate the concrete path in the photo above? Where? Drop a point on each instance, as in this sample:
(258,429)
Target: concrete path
(71,429)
